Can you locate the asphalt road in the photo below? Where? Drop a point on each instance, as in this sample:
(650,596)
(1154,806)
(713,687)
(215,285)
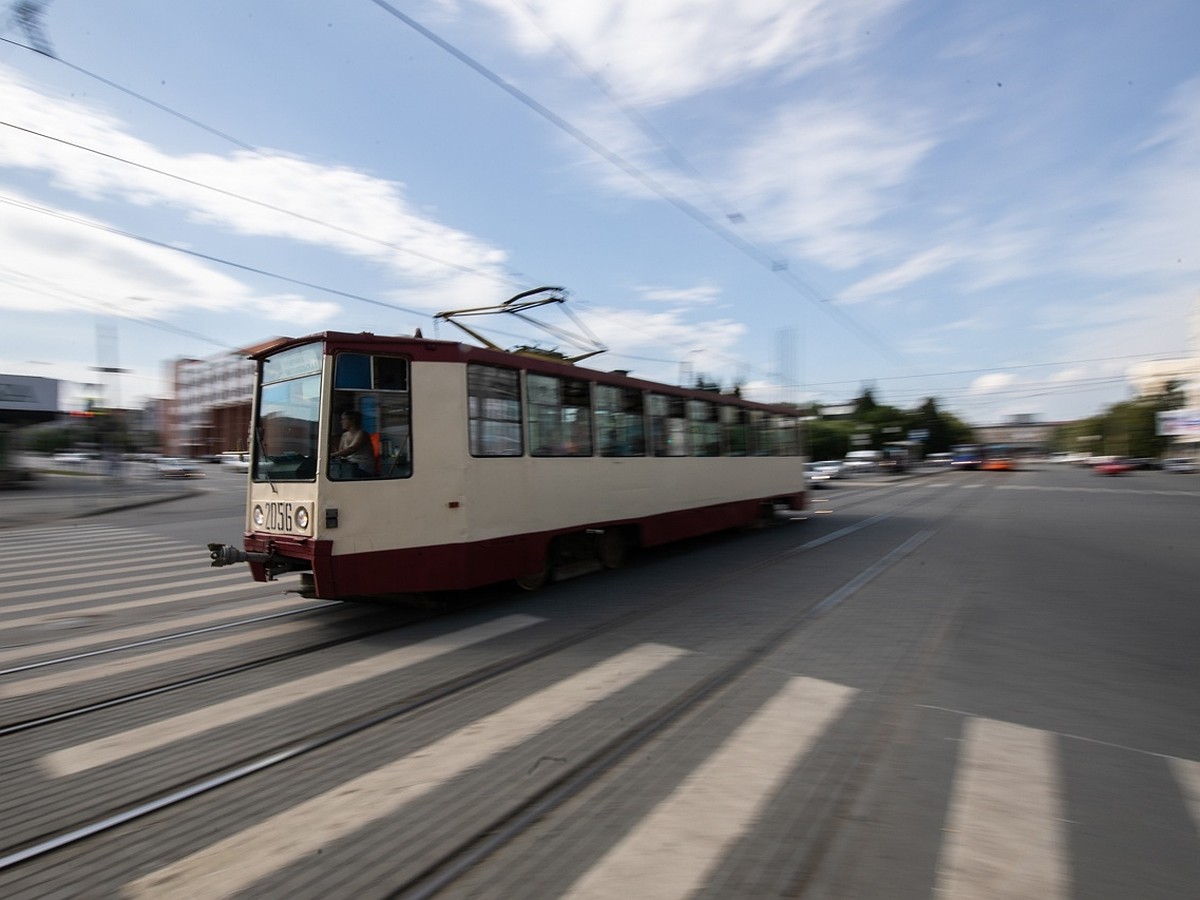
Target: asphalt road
(958,684)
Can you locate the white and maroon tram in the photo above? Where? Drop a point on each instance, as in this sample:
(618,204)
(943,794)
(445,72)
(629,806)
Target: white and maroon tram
(487,465)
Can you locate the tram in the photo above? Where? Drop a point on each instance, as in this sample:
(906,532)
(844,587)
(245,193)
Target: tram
(487,465)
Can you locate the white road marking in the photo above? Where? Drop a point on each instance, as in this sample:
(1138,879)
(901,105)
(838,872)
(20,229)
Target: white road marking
(108,668)
(1004,835)
(238,861)
(110,749)
(1187,773)
(137,564)
(155,628)
(673,849)
(232,590)
(204,577)
(91,559)
(1097,490)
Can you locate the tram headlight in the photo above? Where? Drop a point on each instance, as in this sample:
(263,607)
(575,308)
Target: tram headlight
(259,516)
(302,518)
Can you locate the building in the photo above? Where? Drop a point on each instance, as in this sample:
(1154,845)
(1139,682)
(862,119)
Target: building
(1023,434)
(1153,377)
(26,399)
(210,412)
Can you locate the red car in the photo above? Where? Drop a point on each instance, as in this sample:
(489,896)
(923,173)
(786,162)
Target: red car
(1113,467)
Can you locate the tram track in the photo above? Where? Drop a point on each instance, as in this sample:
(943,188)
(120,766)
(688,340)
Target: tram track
(618,748)
(226,672)
(164,638)
(492,837)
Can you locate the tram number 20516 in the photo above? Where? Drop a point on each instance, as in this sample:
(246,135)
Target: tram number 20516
(279,515)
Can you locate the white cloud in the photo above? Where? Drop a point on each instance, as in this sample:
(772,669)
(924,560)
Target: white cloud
(913,269)
(658,51)
(333,207)
(993,381)
(819,175)
(699,294)
(52,265)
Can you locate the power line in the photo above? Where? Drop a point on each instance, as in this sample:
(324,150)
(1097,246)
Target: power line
(124,90)
(260,203)
(672,153)
(21,204)
(690,210)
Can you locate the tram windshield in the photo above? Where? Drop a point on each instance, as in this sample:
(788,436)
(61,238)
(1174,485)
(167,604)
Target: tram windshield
(289,408)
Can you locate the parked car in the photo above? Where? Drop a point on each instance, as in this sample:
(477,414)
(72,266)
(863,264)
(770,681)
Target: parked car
(816,476)
(1179,464)
(238,460)
(168,467)
(859,461)
(830,467)
(74,457)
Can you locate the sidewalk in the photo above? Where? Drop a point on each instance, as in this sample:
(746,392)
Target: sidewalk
(52,497)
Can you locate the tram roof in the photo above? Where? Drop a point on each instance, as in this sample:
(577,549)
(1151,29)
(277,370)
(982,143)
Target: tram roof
(424,349)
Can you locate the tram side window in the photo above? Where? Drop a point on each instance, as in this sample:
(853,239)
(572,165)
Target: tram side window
(706,431)
(763,433)
(735,431)
(560,416)
(787,435)
(374,391)
(620,428)
(668,425)
(494,411)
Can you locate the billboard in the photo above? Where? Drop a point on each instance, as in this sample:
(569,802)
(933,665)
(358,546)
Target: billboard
(1180,423)
(28,393)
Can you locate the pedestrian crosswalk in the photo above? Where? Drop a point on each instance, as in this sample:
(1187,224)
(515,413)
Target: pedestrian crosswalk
(73,575)
(1006,830)
(235,864)
(165,731)
(1005,834)
(1006,826)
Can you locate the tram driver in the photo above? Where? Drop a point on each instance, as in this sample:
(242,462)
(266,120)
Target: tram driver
(355,445)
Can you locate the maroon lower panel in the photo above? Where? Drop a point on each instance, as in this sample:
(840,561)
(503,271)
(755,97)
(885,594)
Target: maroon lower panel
(469,565)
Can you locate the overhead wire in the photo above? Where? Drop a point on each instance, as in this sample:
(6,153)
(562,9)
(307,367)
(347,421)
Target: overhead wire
(668,149)
(756,253)
(260,203)
(22,204)
(689,209)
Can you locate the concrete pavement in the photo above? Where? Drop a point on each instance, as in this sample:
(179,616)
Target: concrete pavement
(54,496)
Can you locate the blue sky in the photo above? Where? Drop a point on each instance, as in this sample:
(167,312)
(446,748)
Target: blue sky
(994,204)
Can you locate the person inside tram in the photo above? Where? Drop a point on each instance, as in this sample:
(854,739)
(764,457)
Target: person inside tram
(355,445)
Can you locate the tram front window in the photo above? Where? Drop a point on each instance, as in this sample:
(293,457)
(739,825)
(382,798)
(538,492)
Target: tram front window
(285,435)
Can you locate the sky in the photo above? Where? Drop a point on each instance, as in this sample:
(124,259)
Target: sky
(996,205)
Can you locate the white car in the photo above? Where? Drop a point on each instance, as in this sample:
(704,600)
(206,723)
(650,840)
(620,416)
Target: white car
(168,467)
(239,461)
(73,457)
(1179,464)
(830,467)
(860,461)
(815,475)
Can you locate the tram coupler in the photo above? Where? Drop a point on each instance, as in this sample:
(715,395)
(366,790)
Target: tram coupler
(228,555)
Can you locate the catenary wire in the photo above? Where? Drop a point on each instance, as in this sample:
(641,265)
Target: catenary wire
(755,253)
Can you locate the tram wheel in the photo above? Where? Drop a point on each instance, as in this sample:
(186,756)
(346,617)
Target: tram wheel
(614,548)
(534,581)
